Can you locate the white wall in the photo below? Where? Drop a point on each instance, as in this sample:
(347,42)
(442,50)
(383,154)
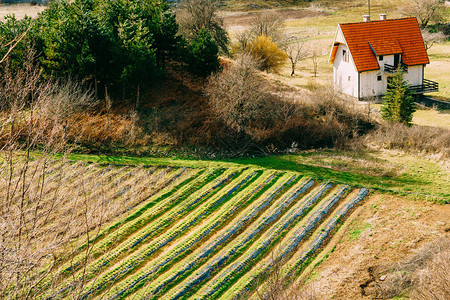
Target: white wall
(414,75)
(370,86)
(345,74)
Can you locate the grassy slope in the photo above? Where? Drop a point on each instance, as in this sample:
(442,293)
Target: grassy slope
(438,69)
(417,177)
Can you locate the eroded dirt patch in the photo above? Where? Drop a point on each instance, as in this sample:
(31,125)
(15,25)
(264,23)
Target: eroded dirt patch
(383,233)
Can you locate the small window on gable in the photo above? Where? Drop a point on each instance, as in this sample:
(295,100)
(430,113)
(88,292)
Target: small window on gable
(380,58)
(349,78)
(345,55)
(379,78)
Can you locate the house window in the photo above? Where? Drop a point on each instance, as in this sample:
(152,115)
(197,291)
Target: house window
(380,58)
(379,78)
(345,55)
(349,78)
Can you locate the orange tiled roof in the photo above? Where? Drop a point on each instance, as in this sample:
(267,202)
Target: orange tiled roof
(385,37)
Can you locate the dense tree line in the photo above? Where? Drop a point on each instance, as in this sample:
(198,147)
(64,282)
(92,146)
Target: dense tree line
(105,41)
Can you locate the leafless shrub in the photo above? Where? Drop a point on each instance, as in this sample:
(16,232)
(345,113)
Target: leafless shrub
(243,42)
(415,139)
(273,286)
(34,115)
(238,97)
(425,11)
(433,282)
(430,38)
(195,15)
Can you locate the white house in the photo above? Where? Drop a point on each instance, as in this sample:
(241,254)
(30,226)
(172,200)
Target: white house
(364,54)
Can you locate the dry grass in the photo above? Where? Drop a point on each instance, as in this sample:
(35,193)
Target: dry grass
(433,281)
(424,275)
(415,139)
(432,117)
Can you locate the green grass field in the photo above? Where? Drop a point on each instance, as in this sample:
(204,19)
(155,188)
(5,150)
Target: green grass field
(386,171)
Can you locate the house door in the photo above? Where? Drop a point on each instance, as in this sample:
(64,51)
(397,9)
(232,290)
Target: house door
(396,60)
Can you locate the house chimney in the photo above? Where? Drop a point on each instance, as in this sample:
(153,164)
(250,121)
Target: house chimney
(383,17)
(366,18)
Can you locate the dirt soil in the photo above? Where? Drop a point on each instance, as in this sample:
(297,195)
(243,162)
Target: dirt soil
(382,232)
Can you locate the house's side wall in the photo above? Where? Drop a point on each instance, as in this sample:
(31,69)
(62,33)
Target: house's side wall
(370,86)
(414,75)
(344,73)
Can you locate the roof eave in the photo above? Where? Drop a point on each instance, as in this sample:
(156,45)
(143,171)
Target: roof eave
(360,71)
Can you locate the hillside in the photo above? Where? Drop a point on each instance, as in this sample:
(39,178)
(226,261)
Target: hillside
(122,190)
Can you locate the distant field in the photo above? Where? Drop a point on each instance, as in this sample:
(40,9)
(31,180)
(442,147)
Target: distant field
(20,10)
(315,23)
(207,233)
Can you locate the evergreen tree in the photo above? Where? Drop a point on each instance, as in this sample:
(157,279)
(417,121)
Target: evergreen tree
(203,54)
(398,103)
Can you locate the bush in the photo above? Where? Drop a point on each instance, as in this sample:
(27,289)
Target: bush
(415,139)
(270,56)
(240,99)
(424,275)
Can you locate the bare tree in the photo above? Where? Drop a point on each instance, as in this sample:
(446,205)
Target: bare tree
(295,52)
(268,24)
(195,15)
(425,11)
(315,60)
(273,285)
(35,218)
(244,40)
(430,38)
(238,96)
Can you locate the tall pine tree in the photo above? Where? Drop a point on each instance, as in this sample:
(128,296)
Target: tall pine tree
(203,54)
(398,102)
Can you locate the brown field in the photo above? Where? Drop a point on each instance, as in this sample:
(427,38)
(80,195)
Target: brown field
(379,235)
